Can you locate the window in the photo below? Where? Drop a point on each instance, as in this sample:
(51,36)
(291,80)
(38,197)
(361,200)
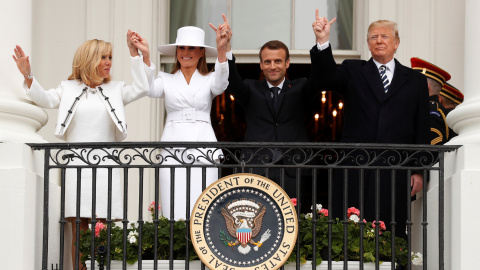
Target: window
(255,22)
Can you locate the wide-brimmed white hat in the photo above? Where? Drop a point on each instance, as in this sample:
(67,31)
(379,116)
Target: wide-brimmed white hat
(188,36)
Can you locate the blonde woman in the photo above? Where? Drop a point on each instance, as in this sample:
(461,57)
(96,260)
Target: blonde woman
(91,109)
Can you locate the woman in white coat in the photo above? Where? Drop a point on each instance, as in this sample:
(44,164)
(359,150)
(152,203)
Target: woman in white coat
(91,109)
(188,92)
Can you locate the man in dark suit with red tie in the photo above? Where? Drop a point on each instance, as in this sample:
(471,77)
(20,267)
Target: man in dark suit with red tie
(385,102)
(274,108)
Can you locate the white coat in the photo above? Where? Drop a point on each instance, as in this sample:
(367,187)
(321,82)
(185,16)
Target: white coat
(115,96)
(181,98)
(188,120)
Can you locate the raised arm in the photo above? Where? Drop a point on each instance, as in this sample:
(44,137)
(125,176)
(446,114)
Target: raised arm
(323,65)
(321,28)
(23,64)
(137,43)
(222,39)
(221,65)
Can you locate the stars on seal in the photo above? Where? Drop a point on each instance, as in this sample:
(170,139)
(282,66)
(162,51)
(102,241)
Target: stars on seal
(211,239)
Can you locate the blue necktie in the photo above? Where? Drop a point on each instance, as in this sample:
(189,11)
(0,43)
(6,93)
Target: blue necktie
(383,76)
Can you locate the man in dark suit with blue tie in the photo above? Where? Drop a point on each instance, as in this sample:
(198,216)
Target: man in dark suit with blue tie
(274,108)
(385,102)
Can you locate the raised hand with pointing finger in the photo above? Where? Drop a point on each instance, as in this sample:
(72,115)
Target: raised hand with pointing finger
(223,35)
(321,28)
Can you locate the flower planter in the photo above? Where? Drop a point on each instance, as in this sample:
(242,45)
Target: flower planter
(148,265)
(195,265)
(352,265)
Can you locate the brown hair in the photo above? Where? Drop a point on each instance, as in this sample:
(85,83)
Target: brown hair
(275,45)
(387,24)
(87,59)
(201,66)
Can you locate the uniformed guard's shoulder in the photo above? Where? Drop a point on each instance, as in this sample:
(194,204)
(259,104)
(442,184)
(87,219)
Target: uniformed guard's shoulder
(434,109)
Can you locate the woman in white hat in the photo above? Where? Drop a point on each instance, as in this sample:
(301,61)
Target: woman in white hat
(188,92)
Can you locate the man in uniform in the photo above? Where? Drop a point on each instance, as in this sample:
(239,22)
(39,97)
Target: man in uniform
(450,97)
(436,78)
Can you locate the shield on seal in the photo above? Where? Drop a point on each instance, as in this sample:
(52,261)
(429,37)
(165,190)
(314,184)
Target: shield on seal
(244,235)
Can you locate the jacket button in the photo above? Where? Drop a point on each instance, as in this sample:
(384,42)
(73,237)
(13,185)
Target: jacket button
(276,124)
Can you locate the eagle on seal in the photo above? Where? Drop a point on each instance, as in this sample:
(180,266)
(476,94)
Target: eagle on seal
(239,228)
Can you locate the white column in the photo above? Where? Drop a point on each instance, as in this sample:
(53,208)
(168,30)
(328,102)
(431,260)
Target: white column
(19,119)
(462,171)
(20,167)
(465,119)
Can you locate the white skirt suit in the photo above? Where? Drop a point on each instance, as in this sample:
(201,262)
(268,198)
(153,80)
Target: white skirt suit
(188,120)
(97,116)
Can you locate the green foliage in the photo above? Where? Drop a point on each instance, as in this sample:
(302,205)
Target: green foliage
(148,240)
(353,242)
(225,239)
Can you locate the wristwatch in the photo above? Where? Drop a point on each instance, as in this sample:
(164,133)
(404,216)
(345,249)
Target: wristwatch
(30,76)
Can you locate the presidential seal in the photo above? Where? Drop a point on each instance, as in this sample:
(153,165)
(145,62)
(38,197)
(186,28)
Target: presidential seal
(244,221)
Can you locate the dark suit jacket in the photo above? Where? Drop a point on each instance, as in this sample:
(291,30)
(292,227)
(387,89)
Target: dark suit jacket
(266,125)
(371,116)
(400,116)
(263,124)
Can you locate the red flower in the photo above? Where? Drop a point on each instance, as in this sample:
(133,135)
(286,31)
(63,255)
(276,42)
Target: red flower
(99,227)
(324,212)
(294,201)
(151,208)
(353,211)
(382,225)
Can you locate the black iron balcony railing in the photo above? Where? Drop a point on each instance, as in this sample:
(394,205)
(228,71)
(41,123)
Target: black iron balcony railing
(320,163)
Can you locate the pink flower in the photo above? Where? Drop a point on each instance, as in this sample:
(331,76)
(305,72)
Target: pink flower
(151,207)
(382,225)
(324,212)
(294,201)
(99,227)
(353,211)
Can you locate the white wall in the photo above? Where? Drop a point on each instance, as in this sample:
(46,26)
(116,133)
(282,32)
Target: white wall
(60,27)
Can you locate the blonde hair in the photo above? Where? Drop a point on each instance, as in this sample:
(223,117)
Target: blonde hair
(86,61)
(386,24)
(201,66)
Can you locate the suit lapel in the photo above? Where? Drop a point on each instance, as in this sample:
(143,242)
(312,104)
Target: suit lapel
(182,89)
(286,86)
(263,86)
(399,78)
(197,81)
(372,75)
